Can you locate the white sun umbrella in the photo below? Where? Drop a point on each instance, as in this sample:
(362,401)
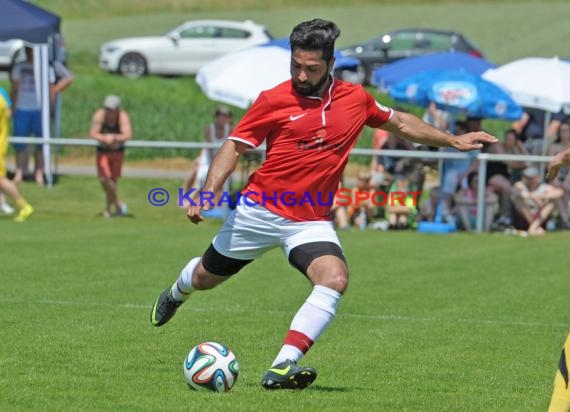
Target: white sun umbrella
(238,78)
(535,82)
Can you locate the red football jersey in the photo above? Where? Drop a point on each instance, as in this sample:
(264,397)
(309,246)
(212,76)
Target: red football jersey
(308,143)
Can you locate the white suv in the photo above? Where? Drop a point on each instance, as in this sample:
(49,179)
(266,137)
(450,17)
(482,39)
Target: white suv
(183,50)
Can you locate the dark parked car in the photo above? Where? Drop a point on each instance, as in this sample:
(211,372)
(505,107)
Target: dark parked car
(399,44)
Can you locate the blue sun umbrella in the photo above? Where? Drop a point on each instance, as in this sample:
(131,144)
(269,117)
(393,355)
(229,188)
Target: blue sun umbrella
(388,75)
(458,92)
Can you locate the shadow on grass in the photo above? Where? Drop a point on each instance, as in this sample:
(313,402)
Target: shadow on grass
(114,216)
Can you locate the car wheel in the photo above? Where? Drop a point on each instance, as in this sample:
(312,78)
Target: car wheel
(132,65)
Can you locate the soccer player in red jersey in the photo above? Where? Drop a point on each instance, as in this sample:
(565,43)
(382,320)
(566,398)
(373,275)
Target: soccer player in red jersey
(309,123)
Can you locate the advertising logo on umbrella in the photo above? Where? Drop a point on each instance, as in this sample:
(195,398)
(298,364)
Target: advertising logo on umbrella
(458,94)
(501,107)
(412,91)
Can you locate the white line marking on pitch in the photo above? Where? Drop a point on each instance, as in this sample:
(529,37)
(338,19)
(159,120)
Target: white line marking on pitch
(497,322)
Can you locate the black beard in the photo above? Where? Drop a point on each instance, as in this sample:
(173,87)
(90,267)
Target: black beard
(308,89)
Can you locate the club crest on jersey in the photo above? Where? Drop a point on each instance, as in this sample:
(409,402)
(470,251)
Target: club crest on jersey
(318,142)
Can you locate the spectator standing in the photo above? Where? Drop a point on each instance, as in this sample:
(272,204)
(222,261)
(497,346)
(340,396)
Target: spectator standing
(512,144)
(453,171)
(27,110)
(111,127)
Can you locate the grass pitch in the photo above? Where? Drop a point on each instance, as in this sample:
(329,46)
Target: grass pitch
(431,323)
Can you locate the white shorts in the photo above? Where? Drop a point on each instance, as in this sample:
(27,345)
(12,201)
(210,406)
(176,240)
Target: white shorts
(250,231)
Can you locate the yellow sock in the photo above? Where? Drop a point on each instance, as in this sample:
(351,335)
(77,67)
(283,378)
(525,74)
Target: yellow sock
(21,203)
(560,401)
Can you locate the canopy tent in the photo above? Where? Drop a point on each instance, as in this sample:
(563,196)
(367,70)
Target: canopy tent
(22,20)
(25,21)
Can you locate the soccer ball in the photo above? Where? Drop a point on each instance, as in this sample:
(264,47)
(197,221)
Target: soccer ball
(211,366)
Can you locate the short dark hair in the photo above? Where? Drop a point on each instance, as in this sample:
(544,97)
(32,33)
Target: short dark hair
(316,34)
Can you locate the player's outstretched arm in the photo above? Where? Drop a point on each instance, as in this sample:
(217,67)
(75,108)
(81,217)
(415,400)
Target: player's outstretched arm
(411,127)
(222,166)
(559,160)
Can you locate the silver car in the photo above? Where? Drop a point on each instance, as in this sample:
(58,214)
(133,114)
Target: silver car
(182,50)
(12,51)
(9,52)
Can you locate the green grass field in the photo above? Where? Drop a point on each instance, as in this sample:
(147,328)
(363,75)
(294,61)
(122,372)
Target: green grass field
(429,323)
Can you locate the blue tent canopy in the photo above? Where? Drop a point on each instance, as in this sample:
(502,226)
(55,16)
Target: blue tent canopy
(26,21)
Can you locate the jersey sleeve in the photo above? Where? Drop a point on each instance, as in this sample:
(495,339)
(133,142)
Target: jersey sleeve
(377,114)
(256,124)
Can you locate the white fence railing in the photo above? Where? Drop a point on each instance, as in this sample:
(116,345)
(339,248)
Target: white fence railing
(482,157)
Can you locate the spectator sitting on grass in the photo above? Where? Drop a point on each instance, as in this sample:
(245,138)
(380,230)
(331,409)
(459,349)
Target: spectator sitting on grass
(534,202)
(401,216)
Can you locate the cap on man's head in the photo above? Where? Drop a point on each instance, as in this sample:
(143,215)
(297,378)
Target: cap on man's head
(530,172)
(112,102)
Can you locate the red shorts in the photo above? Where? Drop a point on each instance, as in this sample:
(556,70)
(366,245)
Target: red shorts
(109,164)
